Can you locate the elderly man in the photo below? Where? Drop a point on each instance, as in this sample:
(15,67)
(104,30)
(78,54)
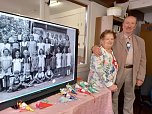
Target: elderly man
(129,51)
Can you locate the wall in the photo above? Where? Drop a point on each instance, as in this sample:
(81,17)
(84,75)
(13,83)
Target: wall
(73,18)
(138,28)
(148,17)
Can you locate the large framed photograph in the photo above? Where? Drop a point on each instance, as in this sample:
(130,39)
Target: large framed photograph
(36,58)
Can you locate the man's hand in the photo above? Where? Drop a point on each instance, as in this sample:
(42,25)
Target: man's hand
(96,50)
(139,82)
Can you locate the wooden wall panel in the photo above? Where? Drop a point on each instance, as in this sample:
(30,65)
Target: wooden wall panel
(146,34)
(109,3)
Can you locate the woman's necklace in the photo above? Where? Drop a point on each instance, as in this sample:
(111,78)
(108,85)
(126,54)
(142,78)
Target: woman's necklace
(109,51)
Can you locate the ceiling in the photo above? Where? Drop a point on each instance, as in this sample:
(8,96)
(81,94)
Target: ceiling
(63,7)
(32,7)
(19,6)
(109,3)
(146,9)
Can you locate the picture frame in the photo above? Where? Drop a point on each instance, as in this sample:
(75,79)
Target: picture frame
(36,58)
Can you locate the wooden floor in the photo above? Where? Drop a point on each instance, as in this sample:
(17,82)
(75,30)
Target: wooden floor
(145,109)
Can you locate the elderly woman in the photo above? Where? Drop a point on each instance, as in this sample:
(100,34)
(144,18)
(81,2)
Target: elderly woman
(103,69)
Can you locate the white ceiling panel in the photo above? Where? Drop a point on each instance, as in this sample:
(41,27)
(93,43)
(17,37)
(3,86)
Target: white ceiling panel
(32,7)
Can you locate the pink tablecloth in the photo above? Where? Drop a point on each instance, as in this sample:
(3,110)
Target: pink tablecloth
(101,103)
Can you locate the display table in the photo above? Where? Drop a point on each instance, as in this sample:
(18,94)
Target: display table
(101,103)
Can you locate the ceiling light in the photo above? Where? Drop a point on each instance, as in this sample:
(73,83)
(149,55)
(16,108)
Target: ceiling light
(54,3)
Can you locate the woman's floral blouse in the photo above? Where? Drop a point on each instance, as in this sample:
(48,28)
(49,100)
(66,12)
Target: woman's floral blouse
(103,69)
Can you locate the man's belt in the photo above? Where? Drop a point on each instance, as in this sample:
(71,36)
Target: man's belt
(128,66)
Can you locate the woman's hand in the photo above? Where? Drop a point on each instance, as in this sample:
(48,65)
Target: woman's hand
(96,50)
(113,88)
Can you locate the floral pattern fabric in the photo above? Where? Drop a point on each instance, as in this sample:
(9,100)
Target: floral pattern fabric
(103,69)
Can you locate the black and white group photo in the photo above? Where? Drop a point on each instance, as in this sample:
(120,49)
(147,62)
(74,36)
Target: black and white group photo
(32,54)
